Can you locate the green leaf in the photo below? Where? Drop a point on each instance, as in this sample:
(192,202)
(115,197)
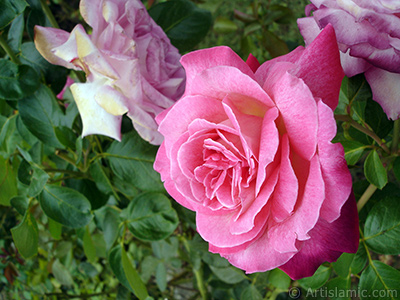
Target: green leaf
(251,292)
(359,261)
(66,206)
(273,44)
(88,246)
(184,23)
(279,14)
(26,236)
(135,282)
(115,261)
(55,229)
(396,168)
(98,172)
(41,114)
(151,217)
(377,119)
(55,76)
(379,282)
(9,9)
(89,189)
(20,203)
(356,91)
(316,281)
(374,170)
(161,277)
(66,136)
(9,137)
(8,182)
(17,81)
(61,273)
(230,275)
(36,16)
(337,288)
(15,33)
(111,227)
(38,181)
(132,160)
(382,227)
(279,279)
(148,267)
(343,264)
(353,151)
(223,25)
(25,133)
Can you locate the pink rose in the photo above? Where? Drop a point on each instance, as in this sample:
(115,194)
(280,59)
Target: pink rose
(130,65)
(368,34)
(248,148)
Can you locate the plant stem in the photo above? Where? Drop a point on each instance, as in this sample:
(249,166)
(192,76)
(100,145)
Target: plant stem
(49,14)
(51,170)
(348,119)
(200,284)
(8,50)
(396,135)
(365,197)
(197,273)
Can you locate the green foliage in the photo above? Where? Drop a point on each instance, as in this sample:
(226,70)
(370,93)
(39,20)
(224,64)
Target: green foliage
(88,218)
(184,23)
(9,10)
(382,227)
(17,81)
(374,170)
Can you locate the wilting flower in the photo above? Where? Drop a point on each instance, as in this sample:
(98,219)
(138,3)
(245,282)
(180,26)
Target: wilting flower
(248,148)
(130,64)
(368,34)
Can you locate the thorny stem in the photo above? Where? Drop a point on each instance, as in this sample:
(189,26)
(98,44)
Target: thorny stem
(366,196)
(348,119)
(396,135)
(8,50)
(49,14)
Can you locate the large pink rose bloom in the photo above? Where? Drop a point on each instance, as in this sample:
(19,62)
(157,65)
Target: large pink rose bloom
(130,65)
(368,33)
(248,148)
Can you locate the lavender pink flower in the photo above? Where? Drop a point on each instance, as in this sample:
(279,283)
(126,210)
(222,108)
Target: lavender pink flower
(248,148)
(368,34)
(130,65)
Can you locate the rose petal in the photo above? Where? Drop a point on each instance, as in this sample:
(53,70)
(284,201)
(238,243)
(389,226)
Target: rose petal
(197,61)
(319,64)
(242,89)
(286,190)
(95,119)
(283,235)
(46,39)
(334,167)
(327,242)
(253,63)
(385,90)
(249,259)
(195,107)
(293,97)
(269,143)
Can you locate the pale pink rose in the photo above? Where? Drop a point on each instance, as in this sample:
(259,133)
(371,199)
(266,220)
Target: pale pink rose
(368,34)
(130,65)
(248,148)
